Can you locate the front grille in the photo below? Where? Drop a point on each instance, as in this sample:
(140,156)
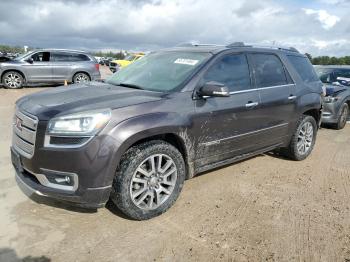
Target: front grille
(24,133)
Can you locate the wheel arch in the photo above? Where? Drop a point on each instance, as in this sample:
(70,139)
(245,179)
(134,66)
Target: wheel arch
(15,70)
(315,113)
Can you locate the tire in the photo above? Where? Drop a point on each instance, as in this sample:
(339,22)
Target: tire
(295,150)
(13,80)
(156,196)
(81,78)
(343,117)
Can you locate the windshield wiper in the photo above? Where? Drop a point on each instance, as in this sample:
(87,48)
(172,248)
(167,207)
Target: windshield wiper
(130,85)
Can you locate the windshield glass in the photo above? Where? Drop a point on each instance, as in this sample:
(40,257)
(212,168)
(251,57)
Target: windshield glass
(23,56)
(162,71)
(129,57)
(325,74)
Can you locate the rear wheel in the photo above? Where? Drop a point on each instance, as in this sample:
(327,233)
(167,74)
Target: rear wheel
(343,117)
(81,78)
(303,139)
(149,180)
(13,80)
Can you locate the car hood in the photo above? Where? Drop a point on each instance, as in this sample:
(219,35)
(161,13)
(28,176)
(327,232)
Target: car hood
(83,97)
(10,62)
(334,89)
(122,62)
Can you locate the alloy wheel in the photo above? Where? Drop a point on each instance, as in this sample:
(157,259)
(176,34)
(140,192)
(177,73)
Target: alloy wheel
(13,80)
(81,78)
(344,116)
(305,138)
(153,181)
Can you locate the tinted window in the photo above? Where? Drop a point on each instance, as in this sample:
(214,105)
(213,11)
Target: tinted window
(41,57)
(342,73)
(60,57)
(79,57)
(269,70)
(231,70)
(304,68)
(69,57)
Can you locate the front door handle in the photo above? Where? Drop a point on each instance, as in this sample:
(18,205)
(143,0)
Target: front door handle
(291,97)
(251,104)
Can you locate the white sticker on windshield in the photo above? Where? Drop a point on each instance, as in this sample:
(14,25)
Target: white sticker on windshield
(185,61)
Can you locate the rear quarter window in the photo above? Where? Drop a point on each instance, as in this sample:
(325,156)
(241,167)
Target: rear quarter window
(304,68)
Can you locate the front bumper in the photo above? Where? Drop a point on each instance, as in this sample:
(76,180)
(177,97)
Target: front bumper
(85,197)
(330,113)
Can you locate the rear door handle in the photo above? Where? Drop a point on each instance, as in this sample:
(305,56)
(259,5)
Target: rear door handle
(251,104)
(291,97)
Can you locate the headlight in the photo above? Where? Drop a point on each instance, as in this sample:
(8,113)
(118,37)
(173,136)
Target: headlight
(330,99)
(86,123)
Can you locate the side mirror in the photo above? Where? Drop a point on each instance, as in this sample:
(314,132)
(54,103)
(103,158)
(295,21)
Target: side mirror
(214,89)
(30,60)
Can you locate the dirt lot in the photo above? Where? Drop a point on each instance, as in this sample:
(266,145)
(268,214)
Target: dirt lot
(262,209)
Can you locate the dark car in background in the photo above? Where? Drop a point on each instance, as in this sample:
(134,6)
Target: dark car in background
(337,100)
(49,66)
(165,118)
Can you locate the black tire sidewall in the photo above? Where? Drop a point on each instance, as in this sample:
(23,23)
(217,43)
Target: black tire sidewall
(341,125)
(121,187)
(12,72)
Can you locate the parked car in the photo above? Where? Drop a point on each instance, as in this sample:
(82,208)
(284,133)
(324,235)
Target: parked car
(106,61)
(168,116)
(4,59)
(337,99)
(115,65)
(49,66)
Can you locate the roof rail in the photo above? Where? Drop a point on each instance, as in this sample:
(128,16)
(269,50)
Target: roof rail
(190,44)
(241,44)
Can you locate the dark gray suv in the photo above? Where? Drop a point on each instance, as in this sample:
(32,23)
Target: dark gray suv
(49,66)
(165,118)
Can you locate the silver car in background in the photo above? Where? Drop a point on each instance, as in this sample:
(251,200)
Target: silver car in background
(49,66)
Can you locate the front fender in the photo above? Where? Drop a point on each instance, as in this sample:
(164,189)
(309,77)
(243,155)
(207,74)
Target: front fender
(135,129)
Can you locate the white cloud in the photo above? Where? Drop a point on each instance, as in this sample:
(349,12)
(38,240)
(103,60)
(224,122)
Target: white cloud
(153,24)
(327,20)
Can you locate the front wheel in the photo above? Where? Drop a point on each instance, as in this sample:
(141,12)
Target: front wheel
(13,80)
(343,117)
(149,180)
(303,139)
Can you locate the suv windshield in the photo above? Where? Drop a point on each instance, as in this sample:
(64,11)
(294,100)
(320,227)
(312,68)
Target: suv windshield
(325,74)
(129,58)
(18,58)
(161,71)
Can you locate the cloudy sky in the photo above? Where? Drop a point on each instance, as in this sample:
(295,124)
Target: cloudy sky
(320,27)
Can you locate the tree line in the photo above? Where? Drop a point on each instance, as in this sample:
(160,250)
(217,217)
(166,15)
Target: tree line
(319,60)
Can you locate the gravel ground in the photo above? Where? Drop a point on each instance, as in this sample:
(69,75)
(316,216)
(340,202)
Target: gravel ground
(262,209)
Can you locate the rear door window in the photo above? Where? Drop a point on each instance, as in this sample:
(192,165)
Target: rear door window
(69,57)
(304,68)
(230,70)
(268,70)
(60,57)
